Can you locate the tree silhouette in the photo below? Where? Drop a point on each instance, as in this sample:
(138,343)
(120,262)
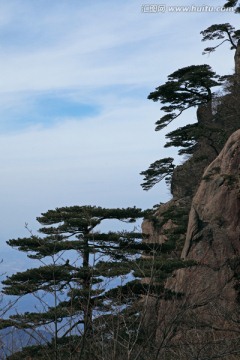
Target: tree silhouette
(224,32)
(187,87)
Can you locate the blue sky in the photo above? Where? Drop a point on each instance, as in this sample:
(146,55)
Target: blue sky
(75,123)
(47,110)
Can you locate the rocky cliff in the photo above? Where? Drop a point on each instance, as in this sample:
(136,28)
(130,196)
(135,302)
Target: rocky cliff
(215,209)
(203,220)
(208,312)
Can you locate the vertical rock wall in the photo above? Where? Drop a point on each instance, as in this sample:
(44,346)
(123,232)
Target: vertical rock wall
(203,320)
(209,309)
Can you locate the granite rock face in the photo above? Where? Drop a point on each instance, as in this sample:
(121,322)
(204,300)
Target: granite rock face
(215,210)
(213,234)
(202,320)
(208,312)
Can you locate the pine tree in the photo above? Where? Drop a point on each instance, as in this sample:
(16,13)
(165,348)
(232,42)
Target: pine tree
(79,263)
(233,4)
(224,32)
(186,88)
(157,171)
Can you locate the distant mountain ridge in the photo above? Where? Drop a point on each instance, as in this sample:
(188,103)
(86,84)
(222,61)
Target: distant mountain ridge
(13,340)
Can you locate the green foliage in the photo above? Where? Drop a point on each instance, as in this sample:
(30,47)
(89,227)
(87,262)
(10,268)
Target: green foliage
(185,137)
(187,87)
(48,277)
(233,4)
(66,348)
(157,171)
(160,269)
(78,263)
(177,214)
(224,32)
(135,290)
(157,265)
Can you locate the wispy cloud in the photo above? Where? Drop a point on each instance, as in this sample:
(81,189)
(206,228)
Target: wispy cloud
(75,124)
